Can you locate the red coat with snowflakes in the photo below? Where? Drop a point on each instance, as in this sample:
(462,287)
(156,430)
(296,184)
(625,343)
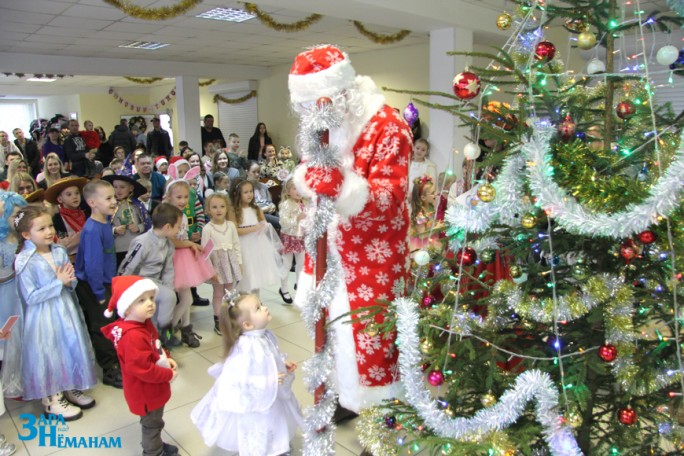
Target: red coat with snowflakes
(146,385)
(372,247)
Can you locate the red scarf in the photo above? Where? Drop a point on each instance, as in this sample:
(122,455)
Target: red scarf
(75,218)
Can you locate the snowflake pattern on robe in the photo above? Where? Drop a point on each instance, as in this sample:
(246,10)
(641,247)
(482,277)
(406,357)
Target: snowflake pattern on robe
(373,245)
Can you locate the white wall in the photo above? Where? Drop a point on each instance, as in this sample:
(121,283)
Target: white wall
(59,104)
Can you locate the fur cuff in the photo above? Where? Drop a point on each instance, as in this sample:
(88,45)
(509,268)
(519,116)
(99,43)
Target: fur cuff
(353,195)
(299,178)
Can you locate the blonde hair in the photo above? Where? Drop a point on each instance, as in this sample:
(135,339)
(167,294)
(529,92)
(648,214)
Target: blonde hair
(46,175)
(170,185)
(230,211)
(12,168)
(231,316)
(285,192)
(19,178)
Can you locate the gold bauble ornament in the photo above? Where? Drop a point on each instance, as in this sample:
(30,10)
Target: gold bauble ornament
(586,40)
(515,271)
(486,193)
(504,21)
(574,419)
(579,272)
(449,411)
(488,399)
(426,346)
(372,329)
(487,256)
(528,221)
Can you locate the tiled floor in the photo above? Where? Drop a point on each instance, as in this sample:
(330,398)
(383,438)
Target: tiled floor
(111,418)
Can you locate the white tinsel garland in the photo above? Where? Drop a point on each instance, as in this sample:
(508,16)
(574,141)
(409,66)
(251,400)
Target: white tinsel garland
(530,385)
(507,206)
(664,197)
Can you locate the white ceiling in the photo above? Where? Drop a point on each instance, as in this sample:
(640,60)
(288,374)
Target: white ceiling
(37,36)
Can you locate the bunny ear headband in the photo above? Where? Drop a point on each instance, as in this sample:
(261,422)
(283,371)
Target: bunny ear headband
(230,297)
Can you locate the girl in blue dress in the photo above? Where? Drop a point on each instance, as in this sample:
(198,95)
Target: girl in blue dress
(57,356)
(10,349)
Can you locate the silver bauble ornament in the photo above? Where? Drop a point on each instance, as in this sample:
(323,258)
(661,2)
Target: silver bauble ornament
(471,151)
(667,55)
(596,66)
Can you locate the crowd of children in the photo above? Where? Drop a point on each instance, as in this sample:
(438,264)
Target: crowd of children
(137,242)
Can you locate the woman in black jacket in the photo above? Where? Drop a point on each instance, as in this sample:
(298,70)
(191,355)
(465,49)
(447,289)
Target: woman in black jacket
(257,142)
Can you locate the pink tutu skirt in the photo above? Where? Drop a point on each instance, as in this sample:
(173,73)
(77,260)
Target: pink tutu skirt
(190,270)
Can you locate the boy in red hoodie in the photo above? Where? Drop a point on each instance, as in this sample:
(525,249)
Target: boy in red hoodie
(145,368)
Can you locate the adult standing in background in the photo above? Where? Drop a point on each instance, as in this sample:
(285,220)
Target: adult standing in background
(159,140)
(76,151)
(104,151)
(143,164)
(6,146)
(258,142)
(53,144)
(210,133)
(29,149)
(122,136)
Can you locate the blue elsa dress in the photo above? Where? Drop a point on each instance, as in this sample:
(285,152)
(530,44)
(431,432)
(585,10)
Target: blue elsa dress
(10,305)
(57,354)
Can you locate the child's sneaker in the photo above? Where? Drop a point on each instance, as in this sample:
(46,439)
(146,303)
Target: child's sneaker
(167,339)
(7,449)
(80,399)
(217,327)
(58,405)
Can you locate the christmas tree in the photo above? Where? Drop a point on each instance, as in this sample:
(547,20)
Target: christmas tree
(551,325)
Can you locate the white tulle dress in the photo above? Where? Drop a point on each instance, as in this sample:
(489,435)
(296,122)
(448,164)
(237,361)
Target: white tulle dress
(247,411)
(261,259)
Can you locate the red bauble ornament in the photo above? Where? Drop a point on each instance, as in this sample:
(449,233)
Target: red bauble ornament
(545,51)
(466,85)
(625,109)
(427,302)
(627,252)
(436,377)
(627,416)
(323,101)
(467,255)
(567,128)
(647,237)
(607,352)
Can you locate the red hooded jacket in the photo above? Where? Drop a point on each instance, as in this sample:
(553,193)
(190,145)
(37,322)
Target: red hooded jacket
(145,384)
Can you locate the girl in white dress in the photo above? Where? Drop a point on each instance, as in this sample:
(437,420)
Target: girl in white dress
(251,408)
(259,242)
(225,256)
(421,165)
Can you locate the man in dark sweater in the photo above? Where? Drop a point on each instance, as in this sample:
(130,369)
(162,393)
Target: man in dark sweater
(122,136)
(211,134)
(158,140)
(143,164)
(77,153)
(29,149)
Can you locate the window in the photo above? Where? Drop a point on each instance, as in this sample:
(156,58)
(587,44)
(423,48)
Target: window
(17,114)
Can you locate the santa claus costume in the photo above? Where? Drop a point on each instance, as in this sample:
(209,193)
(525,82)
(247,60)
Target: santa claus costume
(369,233)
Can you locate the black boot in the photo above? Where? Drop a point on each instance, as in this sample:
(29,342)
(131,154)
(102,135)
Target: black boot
(166,337)
(188,336)
(217,328)
(342,414)
(197,300)
(112,376)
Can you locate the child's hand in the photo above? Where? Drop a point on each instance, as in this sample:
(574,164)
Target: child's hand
(290,366)
(301,217)
(196,248)
(133,228)
(172,364)
(281,377)
(196,236)
(4,335)
(175,374)
(120,230)
(65,274)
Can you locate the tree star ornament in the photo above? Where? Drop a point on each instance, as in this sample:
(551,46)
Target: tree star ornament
(466,85)
(545,51)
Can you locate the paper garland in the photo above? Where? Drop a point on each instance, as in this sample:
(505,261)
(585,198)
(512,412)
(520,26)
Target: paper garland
(143,109)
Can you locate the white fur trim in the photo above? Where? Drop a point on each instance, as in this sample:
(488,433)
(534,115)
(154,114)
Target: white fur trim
(352,395)
(132,293)
(299,178)
(353,195)
(325,83)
